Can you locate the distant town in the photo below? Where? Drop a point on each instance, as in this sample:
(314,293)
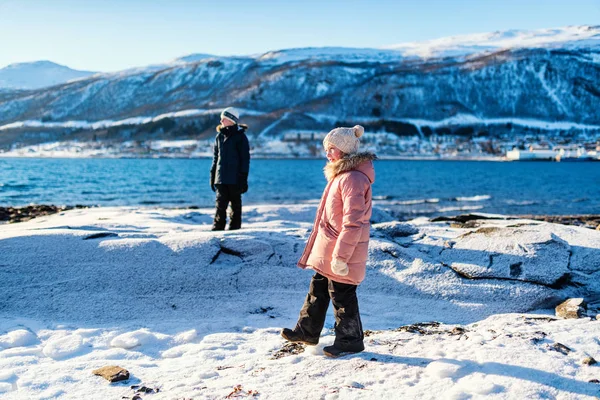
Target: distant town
(308,144)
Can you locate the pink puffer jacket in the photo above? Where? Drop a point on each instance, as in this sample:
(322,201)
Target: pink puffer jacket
(342,228)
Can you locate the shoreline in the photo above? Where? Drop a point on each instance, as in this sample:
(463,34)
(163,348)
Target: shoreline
(289,158)
(257,157)
(11,215)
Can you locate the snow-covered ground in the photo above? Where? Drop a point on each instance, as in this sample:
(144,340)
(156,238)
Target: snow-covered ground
(197,314)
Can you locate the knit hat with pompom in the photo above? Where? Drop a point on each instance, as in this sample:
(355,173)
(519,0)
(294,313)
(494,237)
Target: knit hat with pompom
(345,139)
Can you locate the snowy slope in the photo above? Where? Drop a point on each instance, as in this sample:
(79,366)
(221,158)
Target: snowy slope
(38,74)
(339,54)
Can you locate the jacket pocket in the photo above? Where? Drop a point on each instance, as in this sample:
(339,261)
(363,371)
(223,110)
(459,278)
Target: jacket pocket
(329,230)
(324,245)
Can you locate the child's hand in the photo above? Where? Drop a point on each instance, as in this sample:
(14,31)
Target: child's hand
(339,267)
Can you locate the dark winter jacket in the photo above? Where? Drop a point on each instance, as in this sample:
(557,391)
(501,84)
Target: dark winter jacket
(231,160)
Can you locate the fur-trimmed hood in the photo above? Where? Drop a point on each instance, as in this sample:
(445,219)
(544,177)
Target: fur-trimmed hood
(232,128)
(357,161)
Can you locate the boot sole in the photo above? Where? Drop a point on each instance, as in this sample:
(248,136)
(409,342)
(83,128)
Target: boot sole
(340,354)
(298,341)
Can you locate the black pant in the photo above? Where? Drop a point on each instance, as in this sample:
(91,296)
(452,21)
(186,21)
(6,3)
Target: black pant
(228,194)
(348,327)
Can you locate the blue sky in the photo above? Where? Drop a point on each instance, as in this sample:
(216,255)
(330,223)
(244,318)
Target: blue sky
(109,35)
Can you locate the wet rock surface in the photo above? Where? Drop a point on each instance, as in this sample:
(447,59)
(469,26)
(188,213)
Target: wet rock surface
(21,214)
(591,221)
(586,221)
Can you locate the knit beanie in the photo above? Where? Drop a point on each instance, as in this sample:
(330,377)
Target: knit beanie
(345,139)
(231,114)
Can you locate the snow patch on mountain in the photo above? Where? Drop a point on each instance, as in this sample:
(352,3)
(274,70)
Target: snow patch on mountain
(463,45)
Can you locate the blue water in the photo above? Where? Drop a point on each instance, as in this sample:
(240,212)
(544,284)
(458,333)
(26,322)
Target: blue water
(407,188)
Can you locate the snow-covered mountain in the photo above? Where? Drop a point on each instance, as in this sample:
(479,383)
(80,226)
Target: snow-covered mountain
(467,85)
(194,57)
(38,74)
(571,37)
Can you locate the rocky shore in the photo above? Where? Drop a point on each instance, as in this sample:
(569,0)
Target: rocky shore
(591,221)
(587,221)
(21,214)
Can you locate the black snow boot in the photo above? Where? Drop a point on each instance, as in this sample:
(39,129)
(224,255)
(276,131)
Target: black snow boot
(335,352)
(297,337)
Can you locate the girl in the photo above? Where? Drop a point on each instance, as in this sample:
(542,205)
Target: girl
(337,249)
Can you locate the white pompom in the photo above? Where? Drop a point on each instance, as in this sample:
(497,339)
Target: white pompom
(358,130)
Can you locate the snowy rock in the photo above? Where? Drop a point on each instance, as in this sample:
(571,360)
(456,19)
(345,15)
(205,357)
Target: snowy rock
(171,269)
(353,384)
(442,369)
(571,308)
(5,387)
(393,230)
(112,373)
(63,347)
(533,255)
(185,337)
(18,338)
(378,216)
(133,339)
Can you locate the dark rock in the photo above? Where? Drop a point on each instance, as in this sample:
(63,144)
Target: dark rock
(586,221)
(466,225)
(589,361)
(100,235)
(561,348)
(457,330)
(571,308)
(515,269)
(422,328)
(112,373)
(464,218)
(262,310)
(538,337)
(22,214)
(145,389)
(533,320)
(288,349)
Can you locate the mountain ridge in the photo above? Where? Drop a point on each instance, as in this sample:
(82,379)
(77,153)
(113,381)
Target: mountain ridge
(293,89)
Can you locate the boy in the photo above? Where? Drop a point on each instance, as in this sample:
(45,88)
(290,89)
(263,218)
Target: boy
(229,170)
